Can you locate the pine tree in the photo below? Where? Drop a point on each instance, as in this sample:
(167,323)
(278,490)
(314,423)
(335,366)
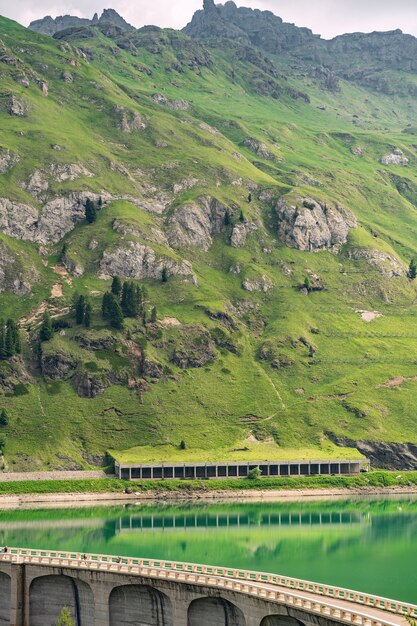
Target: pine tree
(227,219)
(14,330)
(65,618)
(9,343)
(241,217)
(88,311)
(154,315)
(412,271)
(112,311)
(46,331)
(250,198)
(182,445)
(116,315)
(2,340)
(90,211)
(129,301)
(80,310)
(116,286)
(164,275)
(4,418)
(106,305)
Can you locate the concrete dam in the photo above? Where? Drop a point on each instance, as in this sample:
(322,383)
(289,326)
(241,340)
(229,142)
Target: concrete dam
(104,590)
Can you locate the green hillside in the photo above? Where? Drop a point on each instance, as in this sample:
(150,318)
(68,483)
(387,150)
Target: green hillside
(274,327)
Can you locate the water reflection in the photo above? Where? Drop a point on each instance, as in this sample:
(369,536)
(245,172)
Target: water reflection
(370,545)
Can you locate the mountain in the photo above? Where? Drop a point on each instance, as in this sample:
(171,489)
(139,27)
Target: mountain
(258,184)
(50,26)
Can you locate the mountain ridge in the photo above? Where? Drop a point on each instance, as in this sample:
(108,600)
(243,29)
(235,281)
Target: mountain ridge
(260,210)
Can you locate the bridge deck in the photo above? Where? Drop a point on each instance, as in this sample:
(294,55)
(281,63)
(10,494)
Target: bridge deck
(334,603)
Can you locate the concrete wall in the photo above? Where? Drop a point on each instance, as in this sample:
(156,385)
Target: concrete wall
(34,595)
(49,594)
(209,611)
(5,599)
(139,604)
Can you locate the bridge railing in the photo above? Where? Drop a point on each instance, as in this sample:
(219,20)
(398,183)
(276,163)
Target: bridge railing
(192,572)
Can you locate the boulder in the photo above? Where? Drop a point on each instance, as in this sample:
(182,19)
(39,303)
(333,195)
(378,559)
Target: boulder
(310,225)
(259,148)
(395,158)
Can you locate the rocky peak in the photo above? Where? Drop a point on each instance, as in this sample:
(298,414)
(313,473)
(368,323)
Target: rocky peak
(50,26)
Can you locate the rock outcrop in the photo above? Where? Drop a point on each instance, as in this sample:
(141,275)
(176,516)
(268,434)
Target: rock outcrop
(383,454)
(194,348)
(136,261)
(240,233)
(176,105)
(8,159)
(262,283)
(57,218)
(259,148)
(194,224)
(386,264)
(50,26)
(396,157)
(310,225)
(13,276)
(59,365)
(16,107)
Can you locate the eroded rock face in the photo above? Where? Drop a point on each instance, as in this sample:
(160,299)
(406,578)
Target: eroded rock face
(16,107)
(195,349)
(129,122)
(395,158)
(176,105)
(57,218)
(263,283)
(386,264)
(194,224)
(312,226)
(12,275)
(7,160)
(259,148)
(240,233)
(89,386)
(136,261)
(58,366)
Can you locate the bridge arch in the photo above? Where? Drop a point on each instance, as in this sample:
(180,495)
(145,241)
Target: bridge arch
(5,596)
(49,594)
(139,604)
(280,620)
(210,611)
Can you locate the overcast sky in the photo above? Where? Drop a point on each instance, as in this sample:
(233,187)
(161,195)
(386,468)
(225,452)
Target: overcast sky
(327,17)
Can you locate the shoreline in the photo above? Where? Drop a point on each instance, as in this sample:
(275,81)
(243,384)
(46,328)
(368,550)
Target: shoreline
(76,500)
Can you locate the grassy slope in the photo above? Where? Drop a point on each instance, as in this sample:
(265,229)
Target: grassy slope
(205,407)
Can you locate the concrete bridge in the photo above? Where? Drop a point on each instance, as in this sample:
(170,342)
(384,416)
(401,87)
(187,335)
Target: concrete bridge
(115,591)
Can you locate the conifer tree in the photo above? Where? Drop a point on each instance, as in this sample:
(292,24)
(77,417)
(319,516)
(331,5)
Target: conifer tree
(412,270)
(46,331)
(116,286)
(154,315)
(65,618)
(88,312)
(116,315)
(164,275)
(80,309)
(90,211)
(2,340)
(4,418)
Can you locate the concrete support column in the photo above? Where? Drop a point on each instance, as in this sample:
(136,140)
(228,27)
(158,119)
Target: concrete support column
(101,594)
(130,473)
(180,613)
(18,596)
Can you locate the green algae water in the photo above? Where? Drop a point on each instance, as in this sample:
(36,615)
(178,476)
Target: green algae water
(364,544)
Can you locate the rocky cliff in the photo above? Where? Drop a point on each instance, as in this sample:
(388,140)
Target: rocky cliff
(51,26)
